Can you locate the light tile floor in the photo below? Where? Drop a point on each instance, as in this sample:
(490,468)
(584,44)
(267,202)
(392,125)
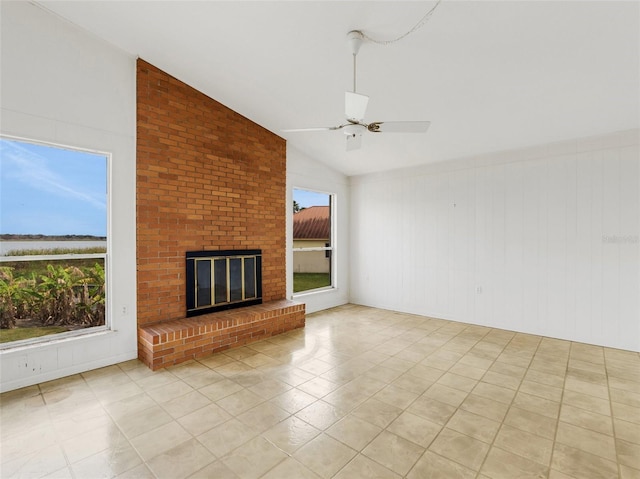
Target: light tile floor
(360,392)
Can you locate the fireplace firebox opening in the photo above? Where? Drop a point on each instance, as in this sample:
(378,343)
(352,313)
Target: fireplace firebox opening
(219,280)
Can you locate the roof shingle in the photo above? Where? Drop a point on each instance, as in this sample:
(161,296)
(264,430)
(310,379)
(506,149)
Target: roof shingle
(312,223)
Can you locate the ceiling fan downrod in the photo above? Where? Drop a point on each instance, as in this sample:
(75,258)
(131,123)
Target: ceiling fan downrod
(355,107)
(354,39)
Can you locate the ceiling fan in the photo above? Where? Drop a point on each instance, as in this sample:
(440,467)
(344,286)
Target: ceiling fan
(356,107)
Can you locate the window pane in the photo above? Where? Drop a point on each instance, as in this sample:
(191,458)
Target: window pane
(44,297)
(53,201)
(312,269)
(50,191)
(311,219)
(312,226)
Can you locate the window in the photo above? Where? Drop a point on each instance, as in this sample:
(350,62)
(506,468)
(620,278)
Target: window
(53,240)
(313,251)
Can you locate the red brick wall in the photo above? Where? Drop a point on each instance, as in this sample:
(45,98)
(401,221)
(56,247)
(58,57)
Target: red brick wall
(207,179)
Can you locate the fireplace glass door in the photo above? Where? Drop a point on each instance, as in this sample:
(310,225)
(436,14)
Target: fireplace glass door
(222,279)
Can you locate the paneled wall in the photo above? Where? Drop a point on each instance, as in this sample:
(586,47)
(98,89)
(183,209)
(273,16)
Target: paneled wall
(543,241)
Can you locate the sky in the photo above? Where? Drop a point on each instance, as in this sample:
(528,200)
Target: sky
(306,198)
(51,191)
(54,191)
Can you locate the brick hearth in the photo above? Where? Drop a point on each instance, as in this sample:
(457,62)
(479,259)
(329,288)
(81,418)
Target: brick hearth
(167,343)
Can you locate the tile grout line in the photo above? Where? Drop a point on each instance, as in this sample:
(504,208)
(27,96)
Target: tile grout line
(477,473)
(59,441)
(492,445)
(564,383)
(458,407)
(93,385)
(613,423)
(144,461)
(443,426)
(405,409)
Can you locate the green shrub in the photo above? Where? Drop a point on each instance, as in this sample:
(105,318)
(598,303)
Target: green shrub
(7,309)
(62,295)
(15,297)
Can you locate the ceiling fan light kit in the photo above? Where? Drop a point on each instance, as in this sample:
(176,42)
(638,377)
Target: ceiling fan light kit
(355,107)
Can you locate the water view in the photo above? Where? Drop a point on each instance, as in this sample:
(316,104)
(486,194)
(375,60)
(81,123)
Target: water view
(9,246)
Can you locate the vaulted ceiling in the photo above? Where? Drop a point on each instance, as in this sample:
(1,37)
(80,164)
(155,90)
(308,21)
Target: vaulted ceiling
(490,75)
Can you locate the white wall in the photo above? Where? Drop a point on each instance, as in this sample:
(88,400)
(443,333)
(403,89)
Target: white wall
(549,235)
(63,86)
(306,173)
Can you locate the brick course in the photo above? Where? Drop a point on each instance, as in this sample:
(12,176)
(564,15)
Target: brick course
(168,343)
(207,179)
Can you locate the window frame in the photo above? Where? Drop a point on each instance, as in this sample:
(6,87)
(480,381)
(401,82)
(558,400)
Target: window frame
(329,250)
(107,326)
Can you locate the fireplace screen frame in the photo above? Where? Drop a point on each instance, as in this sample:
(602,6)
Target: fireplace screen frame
(218,293)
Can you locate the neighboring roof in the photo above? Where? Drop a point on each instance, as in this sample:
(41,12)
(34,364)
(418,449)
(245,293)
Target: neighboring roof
(312,223)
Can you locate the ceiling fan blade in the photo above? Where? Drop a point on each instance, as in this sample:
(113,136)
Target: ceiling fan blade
(322,128)
(354,142)
(399,126)
(355,105)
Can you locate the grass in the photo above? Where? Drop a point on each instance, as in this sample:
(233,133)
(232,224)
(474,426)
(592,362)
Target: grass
(27,268)
(17,334)
(52,251)
(307,281)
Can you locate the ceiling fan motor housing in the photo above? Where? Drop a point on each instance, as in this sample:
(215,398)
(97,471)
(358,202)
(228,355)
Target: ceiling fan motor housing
(354,40)
(354,129)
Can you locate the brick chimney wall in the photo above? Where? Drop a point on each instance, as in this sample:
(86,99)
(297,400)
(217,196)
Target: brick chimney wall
(207,179)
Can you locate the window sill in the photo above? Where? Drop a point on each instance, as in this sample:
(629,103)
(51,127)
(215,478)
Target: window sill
(54,338)
(313,291)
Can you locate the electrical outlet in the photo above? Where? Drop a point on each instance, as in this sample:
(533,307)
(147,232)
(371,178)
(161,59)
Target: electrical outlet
(479,289)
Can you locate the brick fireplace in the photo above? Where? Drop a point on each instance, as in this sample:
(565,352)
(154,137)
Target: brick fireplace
(207,179)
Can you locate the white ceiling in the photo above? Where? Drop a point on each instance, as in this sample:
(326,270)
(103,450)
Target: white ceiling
(490,75)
